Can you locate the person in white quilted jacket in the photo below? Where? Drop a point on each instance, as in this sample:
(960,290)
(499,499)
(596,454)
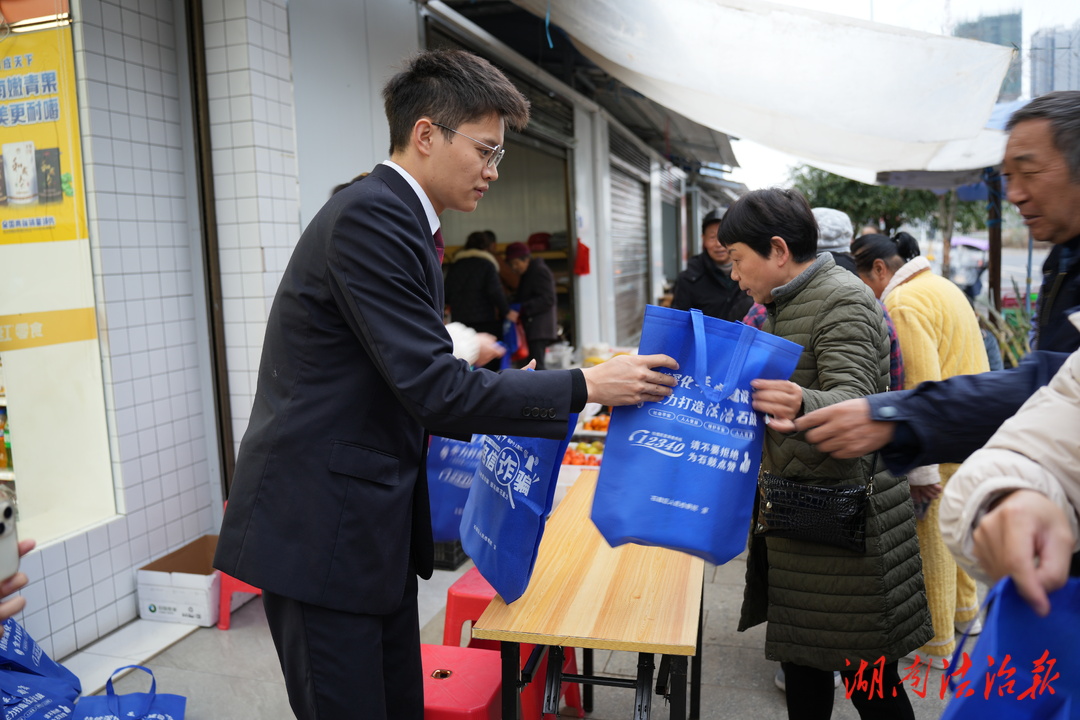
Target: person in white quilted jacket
(1012,508)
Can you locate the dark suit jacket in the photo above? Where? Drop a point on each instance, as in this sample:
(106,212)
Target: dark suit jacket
(536,293)
(329,500)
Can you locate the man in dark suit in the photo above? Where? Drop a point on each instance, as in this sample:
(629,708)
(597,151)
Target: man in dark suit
(328,511)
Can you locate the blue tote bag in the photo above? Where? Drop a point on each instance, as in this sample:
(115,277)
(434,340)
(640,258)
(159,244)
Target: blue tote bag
(1040,679)
(682,473)
(508,505)
(34,697)
(133,706)
(451,465)
(19,652)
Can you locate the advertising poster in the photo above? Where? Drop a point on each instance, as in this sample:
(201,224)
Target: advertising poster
(49,346)
(42,198)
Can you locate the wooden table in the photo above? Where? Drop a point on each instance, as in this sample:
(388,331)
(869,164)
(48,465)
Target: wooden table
(586,594)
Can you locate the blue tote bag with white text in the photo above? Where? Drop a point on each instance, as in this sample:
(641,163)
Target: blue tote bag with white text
(451,465)
(682,473)
(508,505)
(20,653)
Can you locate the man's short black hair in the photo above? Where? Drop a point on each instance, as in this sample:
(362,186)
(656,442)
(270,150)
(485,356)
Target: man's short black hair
(716,215)
(451,87)
(1062,109)
(758,216)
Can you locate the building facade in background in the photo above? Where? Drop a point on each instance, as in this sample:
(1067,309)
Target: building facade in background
(1000,30)
(1055,60)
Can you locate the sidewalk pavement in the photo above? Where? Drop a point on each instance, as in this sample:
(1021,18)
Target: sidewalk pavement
(234,674)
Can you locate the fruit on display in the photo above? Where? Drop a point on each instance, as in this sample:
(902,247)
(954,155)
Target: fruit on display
(583,453)
(597,422)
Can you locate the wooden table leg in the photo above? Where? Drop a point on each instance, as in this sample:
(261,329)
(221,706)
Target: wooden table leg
(677,688)
(643,696)
(511,680)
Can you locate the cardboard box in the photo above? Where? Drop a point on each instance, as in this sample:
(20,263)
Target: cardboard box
(183,586)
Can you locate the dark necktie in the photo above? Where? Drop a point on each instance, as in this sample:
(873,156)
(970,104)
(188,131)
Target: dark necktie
(439,244)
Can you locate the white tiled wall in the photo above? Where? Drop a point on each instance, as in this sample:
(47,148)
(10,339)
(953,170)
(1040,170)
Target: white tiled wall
(251,119)
(83,587)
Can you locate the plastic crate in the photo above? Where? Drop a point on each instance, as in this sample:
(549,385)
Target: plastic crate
(449,555)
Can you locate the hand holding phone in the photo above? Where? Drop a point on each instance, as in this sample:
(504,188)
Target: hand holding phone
(9,540)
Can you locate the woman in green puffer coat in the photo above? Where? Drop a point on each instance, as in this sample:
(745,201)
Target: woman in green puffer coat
(827,608)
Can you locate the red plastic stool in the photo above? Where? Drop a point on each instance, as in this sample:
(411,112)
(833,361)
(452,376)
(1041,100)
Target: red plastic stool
(461,683)
(466,601)
(230,585)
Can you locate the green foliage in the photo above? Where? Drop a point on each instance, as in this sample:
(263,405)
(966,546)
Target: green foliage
(884,206)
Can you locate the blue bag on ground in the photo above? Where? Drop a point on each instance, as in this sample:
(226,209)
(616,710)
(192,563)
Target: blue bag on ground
(1041,676)
(34,697)
(508,505)
(20,653)
(451,465)
(682,473)
(133,706)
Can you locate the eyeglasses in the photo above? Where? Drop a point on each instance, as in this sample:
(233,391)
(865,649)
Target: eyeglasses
(493,155)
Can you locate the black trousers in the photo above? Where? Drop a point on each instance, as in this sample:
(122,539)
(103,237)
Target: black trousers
(810,694)
(342,666)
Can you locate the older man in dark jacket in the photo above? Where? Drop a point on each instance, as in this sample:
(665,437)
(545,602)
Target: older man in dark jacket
(706,282)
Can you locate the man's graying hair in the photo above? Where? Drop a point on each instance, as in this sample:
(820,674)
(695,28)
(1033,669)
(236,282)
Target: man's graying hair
(452,87)
(1062,109)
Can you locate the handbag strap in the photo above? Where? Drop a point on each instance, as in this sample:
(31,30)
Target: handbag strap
(877,464)
(735,365)
(992,596)
(114,700)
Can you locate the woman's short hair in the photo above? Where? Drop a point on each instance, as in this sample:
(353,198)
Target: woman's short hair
(452,87)
(758,216)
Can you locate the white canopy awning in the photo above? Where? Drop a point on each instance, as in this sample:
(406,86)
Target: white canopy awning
(841,92)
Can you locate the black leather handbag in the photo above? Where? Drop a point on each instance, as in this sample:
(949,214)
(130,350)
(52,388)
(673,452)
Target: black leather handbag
(819,514)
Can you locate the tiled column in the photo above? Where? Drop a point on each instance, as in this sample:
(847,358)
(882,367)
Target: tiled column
(252,136)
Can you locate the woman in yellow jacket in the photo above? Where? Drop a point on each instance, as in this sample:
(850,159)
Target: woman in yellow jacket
(939,337)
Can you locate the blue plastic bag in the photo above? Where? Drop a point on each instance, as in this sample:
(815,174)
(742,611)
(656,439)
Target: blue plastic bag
(133,706)
(1022,666)
(451,465)
(508,505)
(32,697)
(682,473)
(19,652)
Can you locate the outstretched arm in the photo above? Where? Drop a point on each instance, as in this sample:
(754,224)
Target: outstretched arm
(937,422)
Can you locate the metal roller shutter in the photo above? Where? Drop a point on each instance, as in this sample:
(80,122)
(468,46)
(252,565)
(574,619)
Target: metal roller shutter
(630,254)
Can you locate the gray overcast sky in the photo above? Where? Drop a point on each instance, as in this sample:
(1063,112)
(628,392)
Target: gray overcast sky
(763,167)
